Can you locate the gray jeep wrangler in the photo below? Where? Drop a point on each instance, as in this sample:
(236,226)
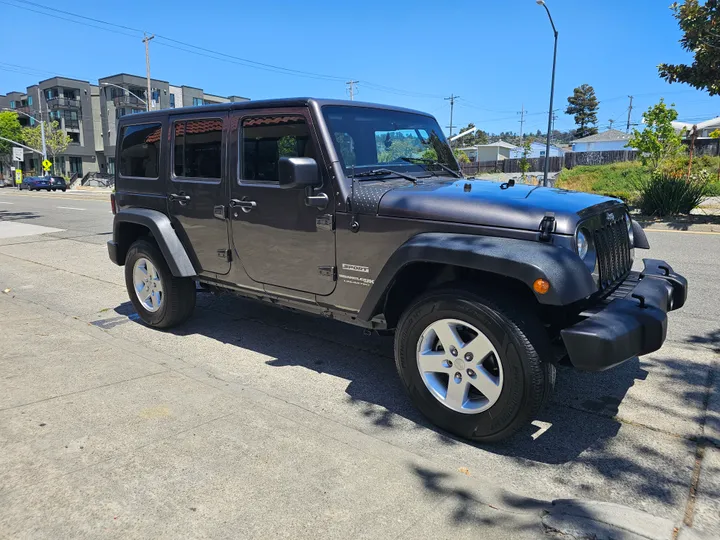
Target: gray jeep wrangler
(359,212)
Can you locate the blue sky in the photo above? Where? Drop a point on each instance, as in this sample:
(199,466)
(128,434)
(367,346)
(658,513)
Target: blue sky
(496,55)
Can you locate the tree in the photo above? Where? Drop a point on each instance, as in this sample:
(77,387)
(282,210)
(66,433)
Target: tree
(658,140)
(699,24)
(9,129)
(56,140)
(583,105)
(524,163)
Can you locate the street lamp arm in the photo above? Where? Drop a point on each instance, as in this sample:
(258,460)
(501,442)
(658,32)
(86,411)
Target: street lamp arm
(20,112)
(125,89)
(552,23)
(20,144)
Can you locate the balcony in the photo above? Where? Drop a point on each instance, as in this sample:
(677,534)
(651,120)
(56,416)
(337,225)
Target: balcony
(127,101)
(63,102)
(72,124)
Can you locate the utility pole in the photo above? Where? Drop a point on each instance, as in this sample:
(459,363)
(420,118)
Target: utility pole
(351,88)
(146,40)
(627,129)
(522,120)
(451,99)
(554,117)
(611,122)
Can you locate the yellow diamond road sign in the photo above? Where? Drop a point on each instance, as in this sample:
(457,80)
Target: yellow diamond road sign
(46,164)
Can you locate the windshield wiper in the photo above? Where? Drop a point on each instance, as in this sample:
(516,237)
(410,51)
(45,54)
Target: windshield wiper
(385,172)
(424,161)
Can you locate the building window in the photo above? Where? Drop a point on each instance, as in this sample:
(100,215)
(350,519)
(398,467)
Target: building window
(198,148)
(268,138)
(111,165)
(74,137)
(12,104)
(197,101)
(140,150)
(30,101)
(172,101)
(76,165)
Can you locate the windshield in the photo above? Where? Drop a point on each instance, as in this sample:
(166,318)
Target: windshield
(367,139)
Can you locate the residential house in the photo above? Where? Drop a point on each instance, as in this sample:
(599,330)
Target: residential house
(612,139)
(537,150)
(496,151)
(704,128)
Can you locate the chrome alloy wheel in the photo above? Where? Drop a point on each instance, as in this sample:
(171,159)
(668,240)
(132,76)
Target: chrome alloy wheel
(460,366)
(148,286)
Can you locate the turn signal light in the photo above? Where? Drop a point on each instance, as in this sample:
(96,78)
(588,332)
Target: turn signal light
(541,286)
(113,204)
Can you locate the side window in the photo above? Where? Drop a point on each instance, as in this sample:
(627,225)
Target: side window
(265,139)
(140,150)
(197,148)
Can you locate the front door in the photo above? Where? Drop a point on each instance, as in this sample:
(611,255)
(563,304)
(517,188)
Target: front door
(197,189)
(279,239)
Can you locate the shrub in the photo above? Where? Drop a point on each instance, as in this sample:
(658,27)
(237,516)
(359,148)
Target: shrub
(662,194)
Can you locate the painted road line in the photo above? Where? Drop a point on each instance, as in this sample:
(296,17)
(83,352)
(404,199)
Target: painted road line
(70,208)
(683,232)
(3,202)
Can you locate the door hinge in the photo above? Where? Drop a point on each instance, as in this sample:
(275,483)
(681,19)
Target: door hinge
(225,254)
(547,227)
(328,272)
(325,222)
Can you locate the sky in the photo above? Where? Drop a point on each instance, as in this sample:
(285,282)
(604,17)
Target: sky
(495,54)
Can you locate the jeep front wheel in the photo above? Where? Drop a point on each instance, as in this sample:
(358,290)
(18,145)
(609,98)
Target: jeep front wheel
(161,299)
(473,364)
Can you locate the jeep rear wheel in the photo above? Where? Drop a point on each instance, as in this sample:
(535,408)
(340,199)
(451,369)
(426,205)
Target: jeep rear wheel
(473,364)
(161,299)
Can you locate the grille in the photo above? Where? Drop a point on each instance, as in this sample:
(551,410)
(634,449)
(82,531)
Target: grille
(612,245)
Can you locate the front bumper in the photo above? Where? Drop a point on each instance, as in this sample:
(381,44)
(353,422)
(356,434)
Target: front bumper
(632,321)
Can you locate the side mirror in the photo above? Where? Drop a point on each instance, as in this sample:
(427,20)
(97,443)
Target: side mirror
(298,172)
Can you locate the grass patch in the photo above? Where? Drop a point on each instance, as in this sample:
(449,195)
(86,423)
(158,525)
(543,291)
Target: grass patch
(622,180)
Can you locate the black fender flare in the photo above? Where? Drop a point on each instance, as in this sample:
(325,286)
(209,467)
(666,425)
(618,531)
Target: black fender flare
(640,240)
(524,260)
(163,233)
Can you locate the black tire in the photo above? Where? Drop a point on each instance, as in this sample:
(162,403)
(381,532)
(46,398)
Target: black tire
(520,340)
(63,190)
(48,190)
(54,189)
(178,300)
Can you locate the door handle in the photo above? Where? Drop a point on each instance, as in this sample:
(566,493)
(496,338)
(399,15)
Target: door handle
(182,198)
(245,206)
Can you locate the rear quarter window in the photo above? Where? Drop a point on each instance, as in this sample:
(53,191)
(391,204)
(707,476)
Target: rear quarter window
(140,150)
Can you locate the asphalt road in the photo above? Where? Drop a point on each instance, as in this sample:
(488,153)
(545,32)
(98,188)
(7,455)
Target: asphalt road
(645,434)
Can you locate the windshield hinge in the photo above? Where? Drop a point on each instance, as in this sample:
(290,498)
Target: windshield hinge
(547,227)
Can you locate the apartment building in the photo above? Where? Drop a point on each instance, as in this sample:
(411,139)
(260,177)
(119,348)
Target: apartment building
(88,114)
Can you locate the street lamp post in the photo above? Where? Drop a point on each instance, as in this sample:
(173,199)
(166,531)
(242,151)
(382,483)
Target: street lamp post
(552,93)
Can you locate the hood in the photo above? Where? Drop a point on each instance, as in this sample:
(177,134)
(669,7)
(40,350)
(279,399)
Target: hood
(494,204)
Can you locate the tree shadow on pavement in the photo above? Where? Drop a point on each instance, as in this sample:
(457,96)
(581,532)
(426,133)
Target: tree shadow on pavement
(6,215)
(577,431)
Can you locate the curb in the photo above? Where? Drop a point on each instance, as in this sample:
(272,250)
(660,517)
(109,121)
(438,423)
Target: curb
(595,520)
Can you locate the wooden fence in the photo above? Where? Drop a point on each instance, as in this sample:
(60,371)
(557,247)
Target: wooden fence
(568,161)
(575,159)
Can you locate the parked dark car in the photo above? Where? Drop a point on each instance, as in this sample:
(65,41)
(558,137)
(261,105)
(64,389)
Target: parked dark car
(359,213)
(43,182)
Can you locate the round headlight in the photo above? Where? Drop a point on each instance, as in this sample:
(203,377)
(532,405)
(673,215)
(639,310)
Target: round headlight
(582,244)
(631,235)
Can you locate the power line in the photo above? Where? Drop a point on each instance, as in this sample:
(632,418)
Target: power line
(216,55)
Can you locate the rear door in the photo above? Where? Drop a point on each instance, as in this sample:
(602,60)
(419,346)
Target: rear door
(197,187)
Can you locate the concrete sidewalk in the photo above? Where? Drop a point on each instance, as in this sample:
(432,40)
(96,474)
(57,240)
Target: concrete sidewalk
(101,436)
